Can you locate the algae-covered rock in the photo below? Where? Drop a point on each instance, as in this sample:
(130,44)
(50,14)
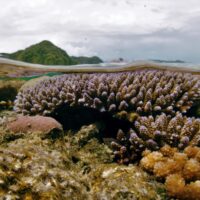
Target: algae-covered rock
(77,165)
(36,168)
(123,182)
(85,134)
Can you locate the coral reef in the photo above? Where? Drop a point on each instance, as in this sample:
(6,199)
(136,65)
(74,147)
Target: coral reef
(154,132)
(181,170)
(143,91)
(154,108)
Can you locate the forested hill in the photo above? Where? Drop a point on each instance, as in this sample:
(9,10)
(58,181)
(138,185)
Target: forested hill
(87,60)
(47,53)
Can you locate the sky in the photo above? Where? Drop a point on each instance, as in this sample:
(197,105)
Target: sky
(131,29)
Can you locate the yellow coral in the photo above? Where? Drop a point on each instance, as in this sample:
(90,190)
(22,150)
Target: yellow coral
(167,150)
(180,170)
(150,160)
(197,157)
(170,166)
(191,151)
(175,184)
(192,191)
(191,169)
(176,187)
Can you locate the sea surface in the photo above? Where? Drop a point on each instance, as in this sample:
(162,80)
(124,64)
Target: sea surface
(105,65)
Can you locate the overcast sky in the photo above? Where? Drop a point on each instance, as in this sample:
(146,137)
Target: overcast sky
(132,29)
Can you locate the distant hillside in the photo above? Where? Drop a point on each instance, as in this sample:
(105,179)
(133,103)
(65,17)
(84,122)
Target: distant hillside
(47,53)
(86,60)
(44,52)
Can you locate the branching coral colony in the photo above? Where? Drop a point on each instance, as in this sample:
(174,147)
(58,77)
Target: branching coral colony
(155,102)
(162,96)
(144,91)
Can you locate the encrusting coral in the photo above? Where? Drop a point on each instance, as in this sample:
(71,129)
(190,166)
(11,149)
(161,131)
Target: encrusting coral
(143,91)
(154,132)
(25,124)
(181,170)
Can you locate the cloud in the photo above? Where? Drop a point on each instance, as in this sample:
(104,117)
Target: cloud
(132,29)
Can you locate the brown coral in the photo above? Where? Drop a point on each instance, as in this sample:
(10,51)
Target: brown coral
(180,170)
(145,91)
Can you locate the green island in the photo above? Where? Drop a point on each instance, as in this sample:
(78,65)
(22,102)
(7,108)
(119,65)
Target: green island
(47,53)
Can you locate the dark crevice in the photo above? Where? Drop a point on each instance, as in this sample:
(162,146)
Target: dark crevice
(194,111)
(72,118)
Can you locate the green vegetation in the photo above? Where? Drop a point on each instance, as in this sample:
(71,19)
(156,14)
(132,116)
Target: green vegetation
(47,53)
(44,52)
(86,60)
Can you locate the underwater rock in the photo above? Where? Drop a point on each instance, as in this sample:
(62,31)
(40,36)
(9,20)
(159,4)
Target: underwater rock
(45,125)
(143,91)
(6,105)
(3,120)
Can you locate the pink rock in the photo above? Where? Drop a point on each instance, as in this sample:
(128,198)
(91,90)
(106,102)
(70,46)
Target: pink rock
(37,123)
